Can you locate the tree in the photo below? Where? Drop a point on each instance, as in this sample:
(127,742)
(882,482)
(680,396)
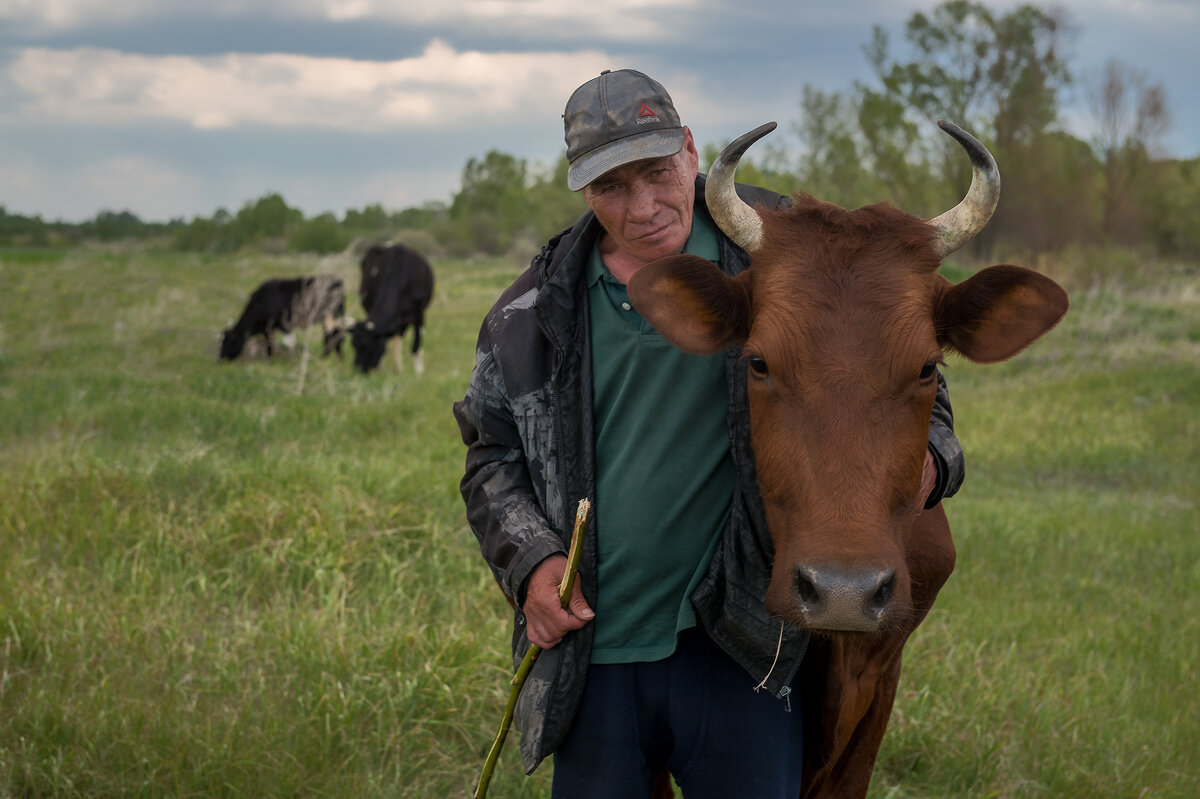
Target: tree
(552,206)
(997,76)
(1131,116)
(833,163)
(492,206)
(16,228)
(321,234)
(267,217)
(112,226)
(370,219)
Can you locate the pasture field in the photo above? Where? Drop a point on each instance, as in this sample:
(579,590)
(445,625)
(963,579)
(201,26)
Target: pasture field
(214,586)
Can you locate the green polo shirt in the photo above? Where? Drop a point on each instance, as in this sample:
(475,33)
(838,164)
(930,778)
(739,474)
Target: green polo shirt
(665,470)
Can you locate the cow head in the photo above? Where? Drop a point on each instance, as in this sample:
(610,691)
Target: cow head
(369,346)
(232,342)
(842,320)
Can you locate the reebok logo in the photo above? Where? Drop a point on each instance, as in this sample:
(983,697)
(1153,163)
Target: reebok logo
(646,114)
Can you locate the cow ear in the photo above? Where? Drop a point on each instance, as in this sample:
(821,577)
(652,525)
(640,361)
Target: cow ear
(695,305)
(997,312)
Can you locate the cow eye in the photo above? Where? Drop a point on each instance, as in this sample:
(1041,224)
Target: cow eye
(928,369)
(758,366)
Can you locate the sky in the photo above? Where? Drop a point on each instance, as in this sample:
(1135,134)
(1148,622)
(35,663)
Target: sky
(175,109)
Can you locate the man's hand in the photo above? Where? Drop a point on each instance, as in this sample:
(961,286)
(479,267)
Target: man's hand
(546,620)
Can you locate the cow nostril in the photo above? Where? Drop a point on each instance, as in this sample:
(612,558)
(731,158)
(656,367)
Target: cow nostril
(883,595)
(806,591)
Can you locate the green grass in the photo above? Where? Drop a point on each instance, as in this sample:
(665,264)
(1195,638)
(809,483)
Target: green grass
(214,586)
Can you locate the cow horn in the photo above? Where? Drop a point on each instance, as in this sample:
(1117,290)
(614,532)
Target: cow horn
(964,221)
(733,215)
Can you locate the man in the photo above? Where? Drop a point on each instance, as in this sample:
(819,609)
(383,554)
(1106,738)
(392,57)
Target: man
(654,664)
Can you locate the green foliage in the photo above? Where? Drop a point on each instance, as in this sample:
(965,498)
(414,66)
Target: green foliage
(321,234)
(997,76)
(1168,196)
(268,218)
(552,205)
(370,218)
(491,206)
(199,235)
(831,164)
(264,224)
(110,226)
(503,203)
(768,169)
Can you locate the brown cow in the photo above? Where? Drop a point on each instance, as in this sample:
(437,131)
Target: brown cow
(843,320)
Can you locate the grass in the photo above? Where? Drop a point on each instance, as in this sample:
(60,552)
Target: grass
(214,586)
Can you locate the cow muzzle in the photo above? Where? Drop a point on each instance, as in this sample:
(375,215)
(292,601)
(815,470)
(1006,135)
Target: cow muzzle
(842,601)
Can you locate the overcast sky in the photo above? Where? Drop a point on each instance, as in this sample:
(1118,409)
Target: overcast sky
(169,108)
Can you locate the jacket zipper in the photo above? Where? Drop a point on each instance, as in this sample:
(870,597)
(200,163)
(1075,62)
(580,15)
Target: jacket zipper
(560,521)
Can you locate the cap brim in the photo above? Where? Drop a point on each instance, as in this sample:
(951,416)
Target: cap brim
(651,144)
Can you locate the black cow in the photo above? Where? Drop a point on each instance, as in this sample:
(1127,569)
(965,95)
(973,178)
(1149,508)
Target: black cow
(286,305)
(396,287)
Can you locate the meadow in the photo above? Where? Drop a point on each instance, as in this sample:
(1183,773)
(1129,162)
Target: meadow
(212,585)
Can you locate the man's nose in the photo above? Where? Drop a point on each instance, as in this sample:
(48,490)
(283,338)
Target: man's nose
(642,204)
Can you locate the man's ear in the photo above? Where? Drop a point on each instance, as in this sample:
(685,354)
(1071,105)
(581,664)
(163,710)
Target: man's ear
(692,303)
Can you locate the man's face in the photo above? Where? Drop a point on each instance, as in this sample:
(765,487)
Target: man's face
(646,207)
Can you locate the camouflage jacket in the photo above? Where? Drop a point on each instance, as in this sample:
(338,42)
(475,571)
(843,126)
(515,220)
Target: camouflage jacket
(527,423)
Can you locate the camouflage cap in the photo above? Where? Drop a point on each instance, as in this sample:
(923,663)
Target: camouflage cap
(615,119)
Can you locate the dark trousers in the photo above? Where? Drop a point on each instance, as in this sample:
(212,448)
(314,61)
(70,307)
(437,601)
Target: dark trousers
(695,713)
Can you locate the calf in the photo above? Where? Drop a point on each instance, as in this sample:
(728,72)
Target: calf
(287,305)
(396,288)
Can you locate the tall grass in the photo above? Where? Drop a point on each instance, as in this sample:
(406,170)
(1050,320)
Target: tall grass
(215,586)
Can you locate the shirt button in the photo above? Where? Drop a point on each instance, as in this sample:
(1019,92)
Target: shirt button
(627,306)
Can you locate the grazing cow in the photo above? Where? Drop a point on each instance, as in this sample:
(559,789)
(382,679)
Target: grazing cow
(396,287)
(843,319)
(289,305)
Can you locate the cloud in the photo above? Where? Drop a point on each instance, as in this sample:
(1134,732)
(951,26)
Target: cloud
(441,87)
(627,19)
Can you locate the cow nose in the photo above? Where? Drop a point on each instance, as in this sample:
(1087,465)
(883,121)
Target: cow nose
(833,599)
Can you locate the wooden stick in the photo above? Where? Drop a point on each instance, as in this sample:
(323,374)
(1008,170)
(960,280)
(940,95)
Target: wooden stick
(518,681)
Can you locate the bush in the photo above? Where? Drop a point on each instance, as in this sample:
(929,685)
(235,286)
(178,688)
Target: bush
(321,234)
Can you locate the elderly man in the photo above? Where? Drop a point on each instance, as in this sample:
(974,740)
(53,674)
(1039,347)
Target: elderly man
(654,665)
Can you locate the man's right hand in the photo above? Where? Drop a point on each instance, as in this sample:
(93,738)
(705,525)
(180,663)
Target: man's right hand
(546,620)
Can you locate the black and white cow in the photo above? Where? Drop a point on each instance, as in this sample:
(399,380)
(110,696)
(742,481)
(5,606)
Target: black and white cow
(396,288)
(287,305)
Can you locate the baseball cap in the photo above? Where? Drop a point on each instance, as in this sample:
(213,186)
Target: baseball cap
(615,119)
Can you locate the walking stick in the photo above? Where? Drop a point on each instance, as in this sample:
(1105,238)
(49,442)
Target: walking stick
(531,656)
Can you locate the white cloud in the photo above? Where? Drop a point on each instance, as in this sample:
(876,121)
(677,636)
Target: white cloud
(630,19)
(441,87)
(1142,10)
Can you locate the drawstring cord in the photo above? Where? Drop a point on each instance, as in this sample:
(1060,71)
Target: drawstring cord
(778,647)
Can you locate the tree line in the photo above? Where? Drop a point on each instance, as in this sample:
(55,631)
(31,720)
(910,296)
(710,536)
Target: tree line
(1000,75)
